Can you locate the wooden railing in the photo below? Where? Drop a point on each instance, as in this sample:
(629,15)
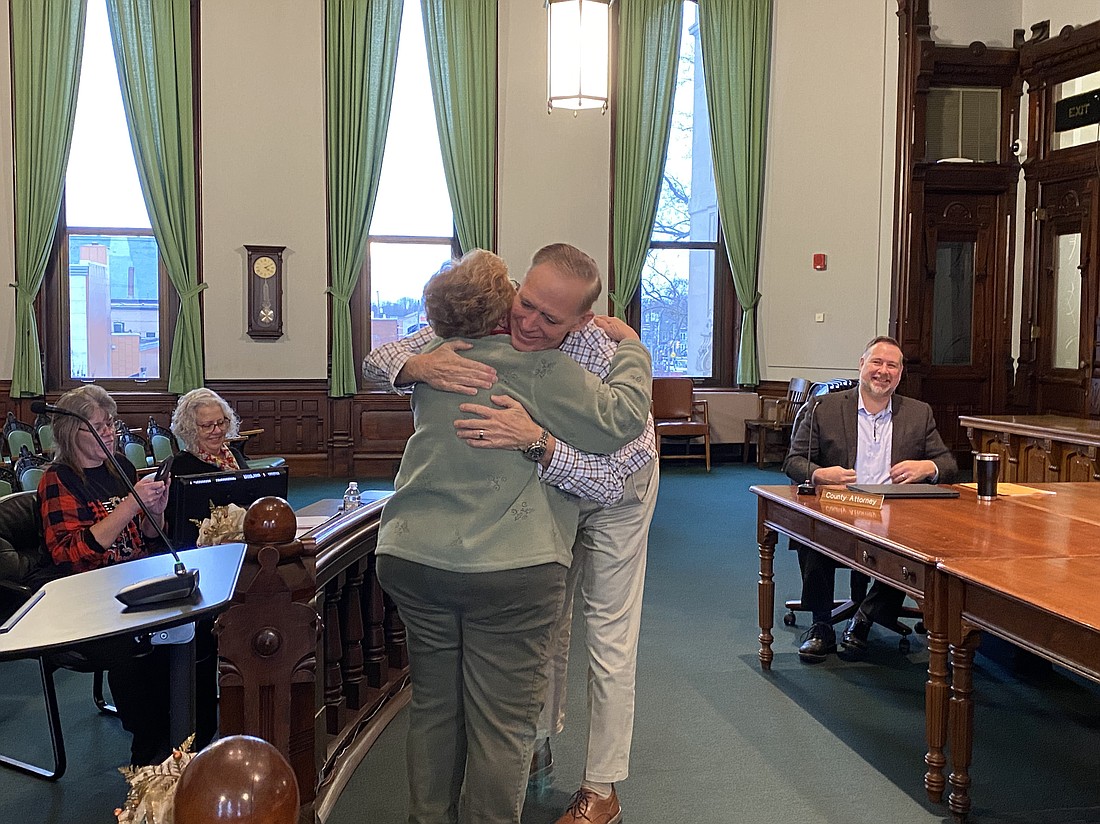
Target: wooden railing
(307,608)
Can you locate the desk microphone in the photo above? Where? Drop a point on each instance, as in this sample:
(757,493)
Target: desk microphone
(807,486)
(181,582)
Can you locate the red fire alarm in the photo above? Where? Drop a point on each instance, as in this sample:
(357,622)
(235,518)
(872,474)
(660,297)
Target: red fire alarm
(819,262)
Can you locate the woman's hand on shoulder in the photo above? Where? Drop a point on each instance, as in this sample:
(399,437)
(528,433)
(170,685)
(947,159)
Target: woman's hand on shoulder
(614,328)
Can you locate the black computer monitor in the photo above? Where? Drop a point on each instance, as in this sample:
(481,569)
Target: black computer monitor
(192,496)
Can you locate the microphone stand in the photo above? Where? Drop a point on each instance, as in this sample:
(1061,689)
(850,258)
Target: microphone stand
(807,486)
(181,582)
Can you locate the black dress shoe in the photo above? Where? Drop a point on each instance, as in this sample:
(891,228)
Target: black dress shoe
(854,638)
(818,641)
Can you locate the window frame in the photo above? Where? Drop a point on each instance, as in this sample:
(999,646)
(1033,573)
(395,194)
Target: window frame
(52,303)
(726,320)
(361,300)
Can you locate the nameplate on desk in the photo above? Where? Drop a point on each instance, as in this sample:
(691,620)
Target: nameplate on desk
(864,500)
(860,514)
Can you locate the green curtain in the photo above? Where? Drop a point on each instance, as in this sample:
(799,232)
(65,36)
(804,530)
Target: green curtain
(47,42)
(462,57)
(736,43)
(360,58)
(646,85)
(152,44)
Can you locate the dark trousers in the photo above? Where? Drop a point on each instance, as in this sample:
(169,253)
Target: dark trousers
(881,605)
(138,677)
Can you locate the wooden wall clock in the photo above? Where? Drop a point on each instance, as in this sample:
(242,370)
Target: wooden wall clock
(264,275)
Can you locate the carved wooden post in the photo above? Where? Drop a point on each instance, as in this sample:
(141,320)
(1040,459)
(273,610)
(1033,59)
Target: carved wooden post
(267,642)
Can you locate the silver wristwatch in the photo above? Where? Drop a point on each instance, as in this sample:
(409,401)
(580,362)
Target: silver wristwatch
(535,451)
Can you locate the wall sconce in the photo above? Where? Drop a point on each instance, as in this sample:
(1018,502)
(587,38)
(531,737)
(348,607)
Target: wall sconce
(577,54)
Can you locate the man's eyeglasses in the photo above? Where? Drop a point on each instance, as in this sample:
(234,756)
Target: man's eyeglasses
(210,426)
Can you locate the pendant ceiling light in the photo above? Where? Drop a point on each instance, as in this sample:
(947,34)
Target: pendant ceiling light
(577,54)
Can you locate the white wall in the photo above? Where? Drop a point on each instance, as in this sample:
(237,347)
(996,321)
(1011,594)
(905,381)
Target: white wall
(829,186)
(554,168)
(829,171)
(263,181)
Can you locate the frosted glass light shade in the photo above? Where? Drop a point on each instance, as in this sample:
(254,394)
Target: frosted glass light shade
(577,74)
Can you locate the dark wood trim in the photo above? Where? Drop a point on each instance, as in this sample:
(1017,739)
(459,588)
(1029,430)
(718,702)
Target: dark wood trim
(361,436)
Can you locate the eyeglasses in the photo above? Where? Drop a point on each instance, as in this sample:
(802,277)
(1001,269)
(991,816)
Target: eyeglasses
(210,426)
(106,427)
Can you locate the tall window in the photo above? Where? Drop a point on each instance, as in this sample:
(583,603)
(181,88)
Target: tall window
(681,291)
(412,229)
(112,283)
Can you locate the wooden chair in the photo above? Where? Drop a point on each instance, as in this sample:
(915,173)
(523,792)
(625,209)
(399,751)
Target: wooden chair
(778,426)
(152,429)
(18,434)
(134,447)
(46,439)
(676,414)
(28,469)
(9,482)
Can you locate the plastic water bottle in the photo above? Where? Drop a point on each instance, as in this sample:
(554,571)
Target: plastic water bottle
(352,500)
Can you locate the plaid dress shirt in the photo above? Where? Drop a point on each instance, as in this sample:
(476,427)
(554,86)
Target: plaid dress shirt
(597,478)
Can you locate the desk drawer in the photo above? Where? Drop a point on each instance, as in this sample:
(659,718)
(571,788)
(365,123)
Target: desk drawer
(890,567)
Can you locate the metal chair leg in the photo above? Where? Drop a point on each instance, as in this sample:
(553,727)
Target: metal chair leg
(97,695)
(53,717)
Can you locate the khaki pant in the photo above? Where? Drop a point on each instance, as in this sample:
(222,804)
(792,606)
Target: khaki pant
(609,562)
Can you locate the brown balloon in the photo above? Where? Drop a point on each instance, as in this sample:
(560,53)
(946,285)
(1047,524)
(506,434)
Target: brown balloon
(240,778)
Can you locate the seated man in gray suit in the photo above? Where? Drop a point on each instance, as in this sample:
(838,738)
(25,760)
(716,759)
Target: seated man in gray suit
(863,435)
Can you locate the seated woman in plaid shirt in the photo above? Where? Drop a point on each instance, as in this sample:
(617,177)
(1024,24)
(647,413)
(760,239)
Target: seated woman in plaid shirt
(91,519)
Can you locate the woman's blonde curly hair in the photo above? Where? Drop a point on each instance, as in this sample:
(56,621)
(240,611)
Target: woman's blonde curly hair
(471,298)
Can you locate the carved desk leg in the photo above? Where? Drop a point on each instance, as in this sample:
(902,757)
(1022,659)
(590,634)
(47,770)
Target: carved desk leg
(766,539)
(962,719)
(936,690)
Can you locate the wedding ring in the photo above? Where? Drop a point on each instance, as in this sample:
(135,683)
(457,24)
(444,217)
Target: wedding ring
(481,434)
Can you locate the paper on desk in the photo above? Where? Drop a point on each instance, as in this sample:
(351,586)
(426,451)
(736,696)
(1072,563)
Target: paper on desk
(1009,490)
(308,522)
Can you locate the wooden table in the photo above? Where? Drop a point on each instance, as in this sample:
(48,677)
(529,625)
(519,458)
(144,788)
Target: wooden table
(910,544)
(1038,448)
(1044,605)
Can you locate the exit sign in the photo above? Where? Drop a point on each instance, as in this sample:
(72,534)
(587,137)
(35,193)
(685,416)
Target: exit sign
(1079,110)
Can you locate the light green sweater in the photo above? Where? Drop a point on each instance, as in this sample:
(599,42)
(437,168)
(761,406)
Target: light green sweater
(465,509)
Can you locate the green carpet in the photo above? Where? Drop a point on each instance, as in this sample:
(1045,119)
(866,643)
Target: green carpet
(715,739)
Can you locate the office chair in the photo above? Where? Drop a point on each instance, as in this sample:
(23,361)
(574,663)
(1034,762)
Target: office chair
(25,565)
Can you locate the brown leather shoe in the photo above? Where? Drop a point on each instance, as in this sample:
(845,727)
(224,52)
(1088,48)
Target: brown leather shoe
(542,761)
(588,808)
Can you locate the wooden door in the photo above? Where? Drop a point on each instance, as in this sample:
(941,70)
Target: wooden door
(1066,298)
(955,357)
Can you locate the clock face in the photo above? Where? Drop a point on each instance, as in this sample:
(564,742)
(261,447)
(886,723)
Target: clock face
(264,267)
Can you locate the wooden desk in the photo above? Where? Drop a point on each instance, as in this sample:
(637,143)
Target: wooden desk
(1038,448)
(906,545)
(1044,605)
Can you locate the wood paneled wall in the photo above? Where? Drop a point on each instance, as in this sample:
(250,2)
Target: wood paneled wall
(361,436)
